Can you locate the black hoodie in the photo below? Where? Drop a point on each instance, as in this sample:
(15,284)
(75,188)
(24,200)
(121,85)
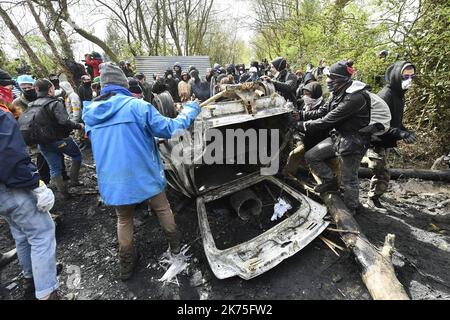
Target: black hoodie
(286,84)
(394,96)
(199,88)
(172,85)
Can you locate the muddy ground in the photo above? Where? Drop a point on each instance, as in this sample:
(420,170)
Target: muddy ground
(418,215)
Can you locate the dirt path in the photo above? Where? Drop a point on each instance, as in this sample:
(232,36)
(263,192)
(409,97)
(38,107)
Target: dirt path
(87,242)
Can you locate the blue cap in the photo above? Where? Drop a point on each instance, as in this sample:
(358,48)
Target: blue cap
(25,78)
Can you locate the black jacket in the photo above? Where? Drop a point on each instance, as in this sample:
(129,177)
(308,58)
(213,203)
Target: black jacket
(159,86)
(347,112)
(56,116)
(286,84)
(147,90)
(394,96)
(85,94)
(17,170)
(200,88)
(172,87)
(313,138)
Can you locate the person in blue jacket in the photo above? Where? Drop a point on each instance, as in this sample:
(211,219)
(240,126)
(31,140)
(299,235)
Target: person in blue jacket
(25,202)
(122,130)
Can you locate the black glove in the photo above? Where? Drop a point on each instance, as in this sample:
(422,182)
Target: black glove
(408,137)
(298,125)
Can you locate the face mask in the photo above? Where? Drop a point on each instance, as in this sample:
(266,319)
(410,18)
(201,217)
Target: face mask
(336,84)
(94,94)
(332,85)
(30,95)
(406,84)
(310,102)
(6,94)
(87,84)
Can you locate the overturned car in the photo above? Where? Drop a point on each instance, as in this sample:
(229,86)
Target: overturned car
(228,160)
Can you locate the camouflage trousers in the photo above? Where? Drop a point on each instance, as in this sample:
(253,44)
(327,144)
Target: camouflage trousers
(378,164)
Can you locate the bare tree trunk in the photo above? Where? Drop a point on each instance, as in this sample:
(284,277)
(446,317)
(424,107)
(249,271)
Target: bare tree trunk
(46,33)
(91,37)
(41,70)
(378,273)
(434,175)
(58,28)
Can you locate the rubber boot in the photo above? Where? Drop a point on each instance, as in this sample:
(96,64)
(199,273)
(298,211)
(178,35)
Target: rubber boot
(327,186)
(62,187)
(74,174)
(128,263)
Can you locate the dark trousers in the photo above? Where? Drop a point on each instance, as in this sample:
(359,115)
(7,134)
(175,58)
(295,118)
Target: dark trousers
(349,164)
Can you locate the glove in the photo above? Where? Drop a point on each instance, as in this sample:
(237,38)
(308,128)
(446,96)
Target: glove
(408,137)
(298,125)
(44,196)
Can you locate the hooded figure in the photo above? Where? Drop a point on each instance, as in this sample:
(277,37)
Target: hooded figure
(72,102)
(398,77)
(284,81)
(159,85)
(177,71)
(312,96)
(393,94)
(231,70)
(172,85)
(200,89)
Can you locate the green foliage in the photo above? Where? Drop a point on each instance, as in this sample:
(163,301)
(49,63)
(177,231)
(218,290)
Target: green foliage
(427,46)
(337,30)
(8,65)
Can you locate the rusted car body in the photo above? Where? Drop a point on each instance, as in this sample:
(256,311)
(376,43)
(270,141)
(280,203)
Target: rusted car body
(257,107)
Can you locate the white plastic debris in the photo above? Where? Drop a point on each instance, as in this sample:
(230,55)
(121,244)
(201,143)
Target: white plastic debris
(175,264)
(280,208)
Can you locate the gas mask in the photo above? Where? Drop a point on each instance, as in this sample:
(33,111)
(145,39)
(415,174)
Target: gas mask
(406,84)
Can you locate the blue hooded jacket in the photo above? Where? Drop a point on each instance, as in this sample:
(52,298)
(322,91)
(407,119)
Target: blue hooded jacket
(122,130)
(16,169)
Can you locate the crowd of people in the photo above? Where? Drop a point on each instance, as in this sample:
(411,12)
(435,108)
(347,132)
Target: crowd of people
(112,111)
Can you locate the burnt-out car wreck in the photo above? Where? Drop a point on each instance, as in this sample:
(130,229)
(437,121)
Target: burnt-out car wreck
(229,158)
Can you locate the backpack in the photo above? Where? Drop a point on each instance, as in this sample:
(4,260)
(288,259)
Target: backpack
(379,113)
(34,128)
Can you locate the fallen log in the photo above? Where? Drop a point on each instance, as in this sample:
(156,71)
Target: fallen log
(434,175)
(378,273)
